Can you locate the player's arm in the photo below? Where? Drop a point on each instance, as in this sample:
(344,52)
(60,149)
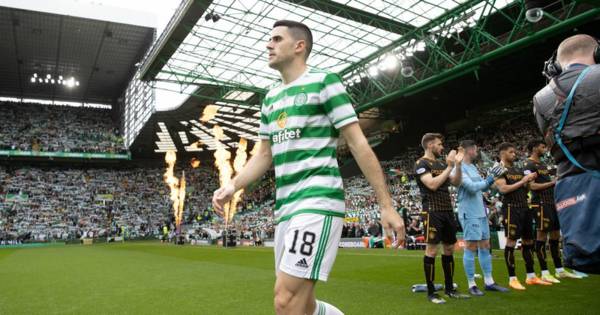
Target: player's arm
(456,174)
(256,167)
(531,168)
(370,167)
(474,186)
(541,186)
(506,188)
(338,107)
(368,163)
(433,183)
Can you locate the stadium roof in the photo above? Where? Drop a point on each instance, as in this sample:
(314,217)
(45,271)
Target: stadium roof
(40,49)
(382,49)
(231,50)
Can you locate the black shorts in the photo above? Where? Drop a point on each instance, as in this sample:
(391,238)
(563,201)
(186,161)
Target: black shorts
(546,217)
(440,226)
(518,223)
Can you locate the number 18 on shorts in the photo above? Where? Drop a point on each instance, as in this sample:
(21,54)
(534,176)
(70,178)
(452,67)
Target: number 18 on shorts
(306,245)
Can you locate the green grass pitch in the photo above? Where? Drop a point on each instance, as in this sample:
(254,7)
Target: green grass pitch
(154,278)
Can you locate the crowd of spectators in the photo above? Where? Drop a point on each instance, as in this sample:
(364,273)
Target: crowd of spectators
(43,203)
(35,127)
(46,203)
(65,203)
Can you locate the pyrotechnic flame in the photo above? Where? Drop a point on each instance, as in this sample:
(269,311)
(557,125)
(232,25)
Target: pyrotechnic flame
(238,165)
(222,162)
(179,212)
(210,111)
(170,158)
(240,156)
(176,186)
(222,157)
(194,162)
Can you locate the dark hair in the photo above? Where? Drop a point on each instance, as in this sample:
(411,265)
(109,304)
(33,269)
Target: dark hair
(298,31)
(467,144)
(430,136)
(533,144)
(505,146)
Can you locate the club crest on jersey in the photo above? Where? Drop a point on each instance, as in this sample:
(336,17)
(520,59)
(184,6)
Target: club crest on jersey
(282,120)
(300,99)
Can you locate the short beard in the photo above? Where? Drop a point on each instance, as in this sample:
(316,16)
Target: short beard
(275,66)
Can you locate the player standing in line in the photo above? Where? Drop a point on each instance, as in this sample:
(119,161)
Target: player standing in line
(474,220)
(518,219)
(546,218)
(434,178)
(301,121)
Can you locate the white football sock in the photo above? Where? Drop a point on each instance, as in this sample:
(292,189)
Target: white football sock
(471,283)
(324,308)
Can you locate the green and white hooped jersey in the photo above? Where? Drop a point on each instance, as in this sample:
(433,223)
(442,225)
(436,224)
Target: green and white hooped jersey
(301,120)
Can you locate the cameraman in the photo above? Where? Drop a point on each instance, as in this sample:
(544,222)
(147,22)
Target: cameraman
(567,111)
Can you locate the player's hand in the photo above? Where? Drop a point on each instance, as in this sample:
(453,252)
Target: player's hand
(222,196)
(530,177)
(392,222)
(459,156)
(497,171)
(451,158)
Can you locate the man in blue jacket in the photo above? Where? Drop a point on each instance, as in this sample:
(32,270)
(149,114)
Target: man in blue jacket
(473,219)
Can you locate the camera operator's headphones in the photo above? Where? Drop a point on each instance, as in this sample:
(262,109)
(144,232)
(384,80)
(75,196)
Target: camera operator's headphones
(552,68)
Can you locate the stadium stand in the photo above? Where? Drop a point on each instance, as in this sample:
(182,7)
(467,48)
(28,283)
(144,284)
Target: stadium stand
(36,127)
(68,203)
(57,203)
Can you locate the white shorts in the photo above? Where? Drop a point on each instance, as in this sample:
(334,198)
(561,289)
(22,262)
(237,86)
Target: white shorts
(306,245)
